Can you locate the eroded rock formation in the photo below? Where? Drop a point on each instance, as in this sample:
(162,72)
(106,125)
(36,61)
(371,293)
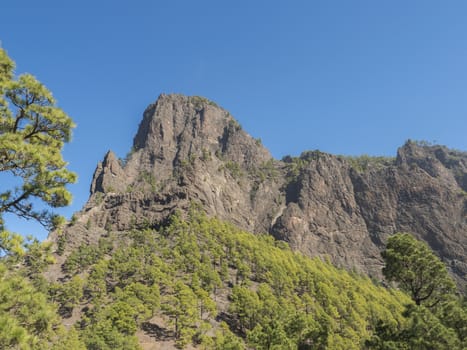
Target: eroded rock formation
(189,150)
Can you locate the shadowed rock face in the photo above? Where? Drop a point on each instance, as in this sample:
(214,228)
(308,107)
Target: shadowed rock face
(189,150)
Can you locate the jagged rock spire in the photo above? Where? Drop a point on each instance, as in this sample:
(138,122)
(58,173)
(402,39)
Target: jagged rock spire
(108,176)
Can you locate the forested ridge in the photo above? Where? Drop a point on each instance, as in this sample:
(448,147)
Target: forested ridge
(202,282)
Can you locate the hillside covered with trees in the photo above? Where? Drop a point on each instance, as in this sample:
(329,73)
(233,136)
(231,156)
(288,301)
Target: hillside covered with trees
(202,282)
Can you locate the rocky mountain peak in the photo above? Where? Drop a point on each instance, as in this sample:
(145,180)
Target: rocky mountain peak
(438,161)
(189,150)
(177,127)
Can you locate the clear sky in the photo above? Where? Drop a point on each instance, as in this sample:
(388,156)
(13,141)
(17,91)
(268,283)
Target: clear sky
(346,77)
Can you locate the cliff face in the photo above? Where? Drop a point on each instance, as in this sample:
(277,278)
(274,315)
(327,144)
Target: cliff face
(186,150)
(341,210)
(189,150)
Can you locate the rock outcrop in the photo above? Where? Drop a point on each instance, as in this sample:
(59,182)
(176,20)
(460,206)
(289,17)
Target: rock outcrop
(188,150)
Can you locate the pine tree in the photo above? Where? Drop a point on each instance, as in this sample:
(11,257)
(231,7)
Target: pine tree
(33,131)
(419,272)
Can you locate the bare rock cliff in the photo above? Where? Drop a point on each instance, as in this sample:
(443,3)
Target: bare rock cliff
(188,150)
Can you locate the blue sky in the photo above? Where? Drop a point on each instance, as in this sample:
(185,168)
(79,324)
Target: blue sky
(346,77)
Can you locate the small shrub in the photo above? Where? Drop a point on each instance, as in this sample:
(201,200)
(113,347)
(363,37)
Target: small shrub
(234,169)
(61,244)
(73,219)
(206,155)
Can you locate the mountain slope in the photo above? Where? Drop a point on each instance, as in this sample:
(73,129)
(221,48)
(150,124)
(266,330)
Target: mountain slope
(188,149)
(204,283)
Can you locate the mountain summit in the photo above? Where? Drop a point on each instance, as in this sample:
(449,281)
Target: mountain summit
(189,151)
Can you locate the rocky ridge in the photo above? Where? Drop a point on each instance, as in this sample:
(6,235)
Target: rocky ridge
(188,150)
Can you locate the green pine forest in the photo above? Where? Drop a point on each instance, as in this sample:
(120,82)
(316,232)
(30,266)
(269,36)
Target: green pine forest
(211,285)
(194,282)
